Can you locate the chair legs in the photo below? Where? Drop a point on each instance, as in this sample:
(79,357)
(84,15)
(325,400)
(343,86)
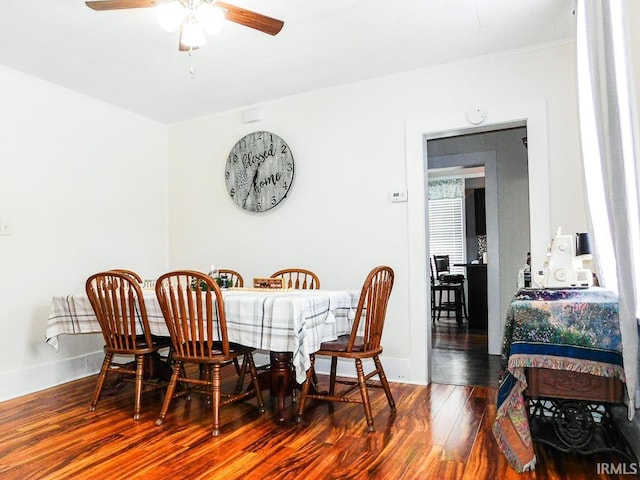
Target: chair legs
(458,305)
(341,396)
(241,370)
(168,396)
(305,389)
(439,305)
(256,384)
(332,375)
(384,382)
(236,364)
(101,378)
(139,386)
(215,386)
(139,381)
(210,378)
(364,393)
(362,382)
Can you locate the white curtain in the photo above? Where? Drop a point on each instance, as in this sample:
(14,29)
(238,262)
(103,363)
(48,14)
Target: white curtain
(608,123)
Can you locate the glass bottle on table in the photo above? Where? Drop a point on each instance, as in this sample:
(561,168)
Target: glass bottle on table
(213,272)
(221,280)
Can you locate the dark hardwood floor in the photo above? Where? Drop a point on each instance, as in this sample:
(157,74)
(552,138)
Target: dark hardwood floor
(459,356)
(440,432)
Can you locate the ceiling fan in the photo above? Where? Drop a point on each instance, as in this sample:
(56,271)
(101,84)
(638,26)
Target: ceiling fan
(194,17)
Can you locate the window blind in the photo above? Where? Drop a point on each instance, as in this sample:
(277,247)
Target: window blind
(446,230)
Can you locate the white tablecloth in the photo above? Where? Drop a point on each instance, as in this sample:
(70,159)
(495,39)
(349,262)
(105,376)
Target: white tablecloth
(296,321)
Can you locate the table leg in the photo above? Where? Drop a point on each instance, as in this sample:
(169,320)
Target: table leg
(281,381)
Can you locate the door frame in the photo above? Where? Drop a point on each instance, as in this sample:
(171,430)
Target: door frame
(417,131)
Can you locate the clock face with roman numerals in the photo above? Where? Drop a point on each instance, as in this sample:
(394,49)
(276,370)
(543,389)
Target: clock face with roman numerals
(259,171)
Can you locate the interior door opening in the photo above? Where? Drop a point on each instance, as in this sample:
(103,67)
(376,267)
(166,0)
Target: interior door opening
(491,165)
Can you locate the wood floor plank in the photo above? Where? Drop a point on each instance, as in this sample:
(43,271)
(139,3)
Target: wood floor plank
(463,434)
(440,432)
(421,405)
(442,422)
(485,459)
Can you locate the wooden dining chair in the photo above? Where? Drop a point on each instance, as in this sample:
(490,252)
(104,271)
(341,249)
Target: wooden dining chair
(117,301)
(131,273)
(234,278)
(166,342)
(193,309)
(298,278)
(363,342)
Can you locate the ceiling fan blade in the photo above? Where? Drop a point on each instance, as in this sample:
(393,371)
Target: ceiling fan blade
(119,4)
(238,15)
(250,19)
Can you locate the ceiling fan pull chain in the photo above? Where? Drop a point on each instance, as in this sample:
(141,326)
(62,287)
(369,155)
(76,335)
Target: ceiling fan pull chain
(192,70)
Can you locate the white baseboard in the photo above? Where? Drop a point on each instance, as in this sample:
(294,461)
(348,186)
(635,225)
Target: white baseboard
(36,378)
(39,377)
(397,369)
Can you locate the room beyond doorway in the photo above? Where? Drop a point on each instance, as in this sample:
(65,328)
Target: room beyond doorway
(505,242)
(439,124)
(457,231)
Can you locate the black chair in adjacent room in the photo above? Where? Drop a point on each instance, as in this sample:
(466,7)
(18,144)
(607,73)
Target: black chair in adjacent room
(450,283)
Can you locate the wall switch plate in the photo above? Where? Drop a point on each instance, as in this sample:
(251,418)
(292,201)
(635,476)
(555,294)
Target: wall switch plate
(398,196)
(5,227)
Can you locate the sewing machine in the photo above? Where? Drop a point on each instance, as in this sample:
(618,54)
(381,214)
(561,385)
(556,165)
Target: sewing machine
(562,269)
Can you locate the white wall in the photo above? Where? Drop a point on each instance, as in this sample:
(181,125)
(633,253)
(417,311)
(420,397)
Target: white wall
(83,186)
(349,147)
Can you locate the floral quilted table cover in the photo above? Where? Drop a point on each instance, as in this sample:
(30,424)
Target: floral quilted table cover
(564,329)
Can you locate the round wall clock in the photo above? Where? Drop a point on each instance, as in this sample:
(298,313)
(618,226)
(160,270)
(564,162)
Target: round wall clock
(259,171)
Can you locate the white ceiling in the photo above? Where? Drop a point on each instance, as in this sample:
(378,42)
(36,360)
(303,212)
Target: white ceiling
(125,58)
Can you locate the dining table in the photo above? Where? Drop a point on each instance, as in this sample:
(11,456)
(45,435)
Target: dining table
(291,324)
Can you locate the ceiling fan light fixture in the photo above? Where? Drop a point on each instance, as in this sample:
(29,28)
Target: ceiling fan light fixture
(191,34)
(170,14)
(210,17)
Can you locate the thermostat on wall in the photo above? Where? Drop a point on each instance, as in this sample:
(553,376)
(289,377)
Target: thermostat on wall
(398,196)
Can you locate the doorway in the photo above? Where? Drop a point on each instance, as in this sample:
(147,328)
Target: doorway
(533,114)
(494,162)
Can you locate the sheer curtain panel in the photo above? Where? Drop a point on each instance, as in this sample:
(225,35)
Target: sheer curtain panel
(609,133)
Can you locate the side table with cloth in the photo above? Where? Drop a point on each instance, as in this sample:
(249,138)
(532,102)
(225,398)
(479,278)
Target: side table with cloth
(575,330)
(295,321)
